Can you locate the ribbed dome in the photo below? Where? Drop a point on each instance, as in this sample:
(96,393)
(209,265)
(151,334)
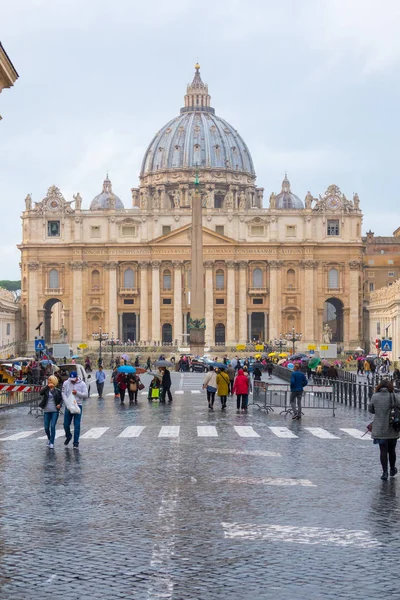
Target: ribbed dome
(107,199)
(197,138)
(286,199)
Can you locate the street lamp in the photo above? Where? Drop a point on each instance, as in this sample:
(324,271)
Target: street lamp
(280,343)
(112,349)
(293,337)
(100,337)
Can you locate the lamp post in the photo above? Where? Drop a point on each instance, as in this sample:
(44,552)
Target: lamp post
(112,349)
(100,337)
(293,337)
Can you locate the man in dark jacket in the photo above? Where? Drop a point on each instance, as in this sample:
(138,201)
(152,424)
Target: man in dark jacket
(166,385)
(298,382)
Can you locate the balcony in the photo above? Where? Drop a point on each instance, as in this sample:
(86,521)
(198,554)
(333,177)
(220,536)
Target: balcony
(53,291)
(128,292)
(258,291)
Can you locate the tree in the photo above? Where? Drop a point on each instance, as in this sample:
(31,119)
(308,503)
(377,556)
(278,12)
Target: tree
(11,286)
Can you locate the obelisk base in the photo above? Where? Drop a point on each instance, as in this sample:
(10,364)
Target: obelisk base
(197,342)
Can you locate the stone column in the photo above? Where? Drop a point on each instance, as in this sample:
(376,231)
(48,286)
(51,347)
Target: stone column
(274,319)
(177,335)
(242,302)
(249,326)
(120,327)
(112,298)
(77,301)
(231,305)
(309,305)
(155,302)
(209,309)
(33,295)
(354,303)
(144,302)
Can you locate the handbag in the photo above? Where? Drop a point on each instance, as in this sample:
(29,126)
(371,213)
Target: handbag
(72,405)
(141,386)
(155,393)
(211,389)
(132,386)
(394,414)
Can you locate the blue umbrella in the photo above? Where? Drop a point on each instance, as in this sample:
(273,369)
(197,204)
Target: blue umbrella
(46,362)
(218,365)
(126,369)
(75,356)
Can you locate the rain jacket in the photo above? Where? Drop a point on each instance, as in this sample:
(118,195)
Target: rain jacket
(222,384)
(79,386)
(241,385)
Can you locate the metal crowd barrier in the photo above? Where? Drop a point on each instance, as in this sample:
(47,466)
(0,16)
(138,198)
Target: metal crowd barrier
(277,395)
(14,395)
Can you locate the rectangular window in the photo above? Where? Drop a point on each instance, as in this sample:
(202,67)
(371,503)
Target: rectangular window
(166,229)
(53,228)
(257,230)
(95,231)
(290,230)
(390,262)
(257,300)
(371,262)
(219,301)
(8,329)
(129,301)
(219,229)
(333,227)
(371,274)
(129,231)
(218,201)
(167,301)
(378,329)
(371,287)
(391,274)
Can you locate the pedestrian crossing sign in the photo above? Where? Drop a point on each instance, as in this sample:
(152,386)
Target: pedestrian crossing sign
(40,345)
(386,345)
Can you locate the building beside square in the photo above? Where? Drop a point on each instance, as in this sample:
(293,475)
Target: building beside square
(268,269)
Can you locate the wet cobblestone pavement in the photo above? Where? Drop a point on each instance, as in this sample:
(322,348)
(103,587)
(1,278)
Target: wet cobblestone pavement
(188,504)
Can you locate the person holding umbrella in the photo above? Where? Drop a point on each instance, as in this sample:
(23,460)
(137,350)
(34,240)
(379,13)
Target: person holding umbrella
(166,384)
(122,384)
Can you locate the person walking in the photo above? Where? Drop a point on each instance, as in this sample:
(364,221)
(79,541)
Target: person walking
(51,405)
(382,431)
(241,389)
(100,379)
(210,384)
(133,382)
(230,371)
(114,377)
(78,389)
(148,364)
(332,372)
(222,387)
(155,384)
(122,385)
(298,382)
(270,368)
(166,385)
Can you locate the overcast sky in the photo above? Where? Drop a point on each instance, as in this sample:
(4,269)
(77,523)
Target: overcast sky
(311,85)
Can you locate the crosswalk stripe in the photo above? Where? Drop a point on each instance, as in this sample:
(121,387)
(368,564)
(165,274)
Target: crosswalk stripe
(195,391)
(207,431)
(94,433)
(283,432)
(132,431)
(19,436)
(356,433)
(321,433)
(108,395)
(246,431)
(242,452)
(143,393)
(59,433)
(169,431)
(179,392)
(278,481)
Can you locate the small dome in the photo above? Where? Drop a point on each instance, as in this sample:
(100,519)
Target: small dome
(107,199)
(286,199)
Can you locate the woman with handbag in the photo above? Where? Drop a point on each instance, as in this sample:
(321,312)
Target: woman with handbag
(133,382)
(222,387)
(385,405)
(122,385)
(210,384)
(51,405)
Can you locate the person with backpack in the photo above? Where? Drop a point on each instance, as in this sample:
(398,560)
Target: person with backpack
(133,382)
(298,382)
(222,386)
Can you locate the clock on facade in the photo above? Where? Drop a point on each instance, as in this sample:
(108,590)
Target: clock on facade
(333,202)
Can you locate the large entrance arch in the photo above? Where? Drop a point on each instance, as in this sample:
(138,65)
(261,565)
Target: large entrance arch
(53,319)
(220,334)
(333,316)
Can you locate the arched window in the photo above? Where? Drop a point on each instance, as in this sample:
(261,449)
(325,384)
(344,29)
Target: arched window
(220,333)
(95,280)
(54,279)
(220,279)
(167,280)
(291,278)
(333,279)
(257,278)
(167,333)
(129,279)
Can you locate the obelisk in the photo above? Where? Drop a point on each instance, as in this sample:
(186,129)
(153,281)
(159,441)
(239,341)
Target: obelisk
(197,323)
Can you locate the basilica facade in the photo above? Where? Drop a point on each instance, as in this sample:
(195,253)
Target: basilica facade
(271,265)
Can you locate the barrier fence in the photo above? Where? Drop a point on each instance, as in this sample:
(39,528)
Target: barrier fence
(13,395)
(268,396)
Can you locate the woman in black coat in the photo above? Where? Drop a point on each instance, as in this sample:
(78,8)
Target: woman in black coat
(51,404)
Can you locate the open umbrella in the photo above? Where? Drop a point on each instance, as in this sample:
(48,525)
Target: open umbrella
(314,362)
(163,363)
(75,356)
(126,369)
(158,375)
(218,365)
(282,361)
(283,354)
(257,365)
(359,349)
(124,356)
(140,370)
(272,354)
(257,356)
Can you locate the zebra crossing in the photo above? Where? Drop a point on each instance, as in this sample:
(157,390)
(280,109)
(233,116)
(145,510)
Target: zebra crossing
(203,431)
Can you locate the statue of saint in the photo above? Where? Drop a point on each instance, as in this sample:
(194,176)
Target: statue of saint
(113,202)
(208,200)
(156,201)
(229,200)
(309,200)
(327,334)
(78,201)
(177,199)
(28,202)
(242,200)
(272,200)
(356,202)
(144,200)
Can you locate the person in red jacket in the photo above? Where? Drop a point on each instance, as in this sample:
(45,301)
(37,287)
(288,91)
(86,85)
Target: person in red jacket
(122,385)
(241,389)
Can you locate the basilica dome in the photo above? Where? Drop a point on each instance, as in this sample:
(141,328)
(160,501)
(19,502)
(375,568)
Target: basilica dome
(107,199)
(286,199)
(197,138)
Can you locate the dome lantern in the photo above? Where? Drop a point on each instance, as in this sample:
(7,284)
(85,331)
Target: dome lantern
(197,97)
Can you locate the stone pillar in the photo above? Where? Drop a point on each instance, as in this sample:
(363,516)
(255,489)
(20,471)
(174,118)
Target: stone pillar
(144,302)
(77,301)
(155,302)
(33,295)
(274,319)
(249,326)
(242,302)
(209,310)
(309,305)
(177,335)
(231,305)
(354,302)
(112,298)
(120,327)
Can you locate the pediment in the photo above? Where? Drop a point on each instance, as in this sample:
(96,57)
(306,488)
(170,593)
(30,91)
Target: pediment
(182,237)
